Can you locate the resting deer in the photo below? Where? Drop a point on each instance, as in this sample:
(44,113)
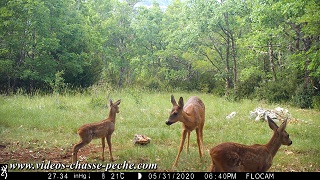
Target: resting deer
(192,116)
(234,157)
(103,129)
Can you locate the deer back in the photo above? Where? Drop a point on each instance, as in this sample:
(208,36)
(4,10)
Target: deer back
(97,129)
(231,156)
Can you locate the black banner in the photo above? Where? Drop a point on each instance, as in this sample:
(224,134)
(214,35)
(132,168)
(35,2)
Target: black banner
(158,175)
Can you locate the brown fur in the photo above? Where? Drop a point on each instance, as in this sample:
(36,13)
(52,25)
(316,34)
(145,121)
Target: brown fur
(192,116)
(103,130)
(235,157)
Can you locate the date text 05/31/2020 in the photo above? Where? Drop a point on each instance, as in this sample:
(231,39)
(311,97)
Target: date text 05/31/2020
(209,176)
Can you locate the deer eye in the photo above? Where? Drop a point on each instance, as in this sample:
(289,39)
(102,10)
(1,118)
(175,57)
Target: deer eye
(175,113)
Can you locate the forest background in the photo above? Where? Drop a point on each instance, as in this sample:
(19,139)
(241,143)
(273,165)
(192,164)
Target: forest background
(239,49)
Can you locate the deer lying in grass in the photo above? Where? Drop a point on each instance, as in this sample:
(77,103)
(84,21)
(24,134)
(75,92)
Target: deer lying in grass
(192,116)
(234,157)
(103,129)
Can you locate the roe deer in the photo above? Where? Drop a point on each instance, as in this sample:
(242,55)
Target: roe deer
(234,157)
(103,129)
(192,116)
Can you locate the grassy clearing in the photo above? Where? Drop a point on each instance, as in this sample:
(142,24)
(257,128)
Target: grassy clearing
(51,122)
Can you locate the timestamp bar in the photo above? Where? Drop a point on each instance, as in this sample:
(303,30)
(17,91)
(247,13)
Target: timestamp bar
(228,175)
(159,175)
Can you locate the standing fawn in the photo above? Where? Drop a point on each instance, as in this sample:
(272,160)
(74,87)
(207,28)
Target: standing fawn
(234,157)
(103,129)
(192,116)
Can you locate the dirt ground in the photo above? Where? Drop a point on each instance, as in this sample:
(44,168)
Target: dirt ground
(12,153)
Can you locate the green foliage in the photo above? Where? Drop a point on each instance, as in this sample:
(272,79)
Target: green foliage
(275,91)
(303,97)
(98,102)
(248,87)
(41,38)
(58,84)
(316,102)
(155,84)
(207,45)
(100,94)
(207,84)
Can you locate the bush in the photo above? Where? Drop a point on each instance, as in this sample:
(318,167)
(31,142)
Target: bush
(275,91)
(246,88)
(303,96)
(316,102)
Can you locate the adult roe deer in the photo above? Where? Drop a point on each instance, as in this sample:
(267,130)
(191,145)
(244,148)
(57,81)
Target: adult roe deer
(192,116)
(103,129)
(234,157)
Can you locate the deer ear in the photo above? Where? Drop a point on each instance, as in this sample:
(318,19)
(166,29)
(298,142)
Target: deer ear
(283,125)
(272,124)
(118,102)
(173,101)
(181,102)
(110,102)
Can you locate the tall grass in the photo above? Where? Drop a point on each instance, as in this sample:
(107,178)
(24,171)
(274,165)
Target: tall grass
(45,121)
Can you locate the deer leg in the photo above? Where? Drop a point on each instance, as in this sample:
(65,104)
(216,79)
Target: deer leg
(103,142)
(199,141)
(76,149)
(183,137)
(110,147)
(188,140)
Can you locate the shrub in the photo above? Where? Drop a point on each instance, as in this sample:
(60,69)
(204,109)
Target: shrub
(303,96)
(316,102)
(247,88)
(275,91)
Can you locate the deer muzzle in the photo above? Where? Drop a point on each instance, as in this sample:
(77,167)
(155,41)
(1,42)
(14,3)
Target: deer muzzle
(169,123)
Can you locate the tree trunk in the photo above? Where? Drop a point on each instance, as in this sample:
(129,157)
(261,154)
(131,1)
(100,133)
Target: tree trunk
(234,66)
(227,65)
(122,70)
(274,77)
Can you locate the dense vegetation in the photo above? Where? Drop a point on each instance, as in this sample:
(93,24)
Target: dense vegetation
(241,49)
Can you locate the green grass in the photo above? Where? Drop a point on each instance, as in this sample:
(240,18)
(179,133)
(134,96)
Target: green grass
(48,122)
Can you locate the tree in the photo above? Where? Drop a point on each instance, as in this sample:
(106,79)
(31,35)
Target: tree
(148,40)
(177,57)
(41,38)
(119,42)
(219,29)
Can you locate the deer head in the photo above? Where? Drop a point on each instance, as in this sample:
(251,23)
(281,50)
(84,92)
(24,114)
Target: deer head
(280,131)
(115,106)
(176,112)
